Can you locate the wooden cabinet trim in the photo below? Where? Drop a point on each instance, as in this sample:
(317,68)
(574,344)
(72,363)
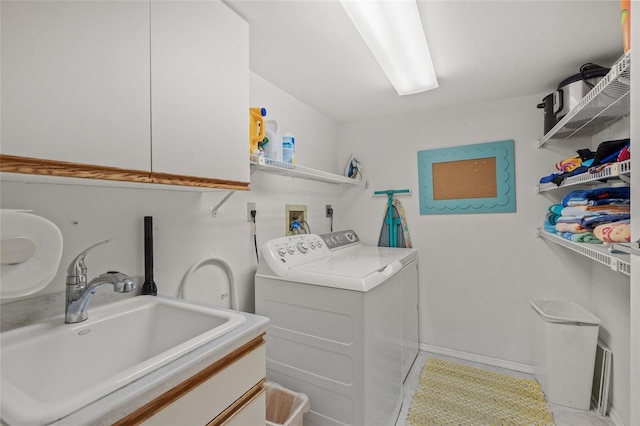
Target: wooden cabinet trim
(38,166)
(170,179)
(149,409)
(243,401)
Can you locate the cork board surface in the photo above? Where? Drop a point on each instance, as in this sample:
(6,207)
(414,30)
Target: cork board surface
(454,180)
(468,179)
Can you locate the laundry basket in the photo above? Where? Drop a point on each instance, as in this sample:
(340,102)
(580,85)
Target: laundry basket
(285,407)
(566,336)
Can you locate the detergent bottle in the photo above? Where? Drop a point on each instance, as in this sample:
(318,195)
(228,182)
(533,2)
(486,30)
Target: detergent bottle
(288,149)
(256,128)
(272,142)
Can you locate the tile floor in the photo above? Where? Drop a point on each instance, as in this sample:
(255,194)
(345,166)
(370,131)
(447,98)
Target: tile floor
(562,416)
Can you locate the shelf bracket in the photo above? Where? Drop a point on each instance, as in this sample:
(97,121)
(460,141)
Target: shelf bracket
(630,248)
(625,178)
(617,171)
(214,212)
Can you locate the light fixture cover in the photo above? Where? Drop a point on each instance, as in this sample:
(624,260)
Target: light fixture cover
(393,31)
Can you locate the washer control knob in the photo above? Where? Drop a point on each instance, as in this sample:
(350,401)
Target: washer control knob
(349,236)
(319,244)
(291,249)
(303,247)
(282,251)
(312,244)
(334,240)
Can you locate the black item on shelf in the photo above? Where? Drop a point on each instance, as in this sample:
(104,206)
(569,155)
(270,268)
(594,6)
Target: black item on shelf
(586,154)
(149,286)
(608,151)
(552,103)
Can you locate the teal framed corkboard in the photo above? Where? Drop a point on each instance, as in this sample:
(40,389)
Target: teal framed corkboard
(478,178)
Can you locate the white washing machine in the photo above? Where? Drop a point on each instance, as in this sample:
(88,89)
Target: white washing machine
(344,324)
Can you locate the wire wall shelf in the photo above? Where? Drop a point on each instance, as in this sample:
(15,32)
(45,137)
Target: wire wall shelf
(598,252)
(605,104)
(293,170)
(630,248)
(620,170)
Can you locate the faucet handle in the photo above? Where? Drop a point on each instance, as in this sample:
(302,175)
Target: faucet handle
(77,271)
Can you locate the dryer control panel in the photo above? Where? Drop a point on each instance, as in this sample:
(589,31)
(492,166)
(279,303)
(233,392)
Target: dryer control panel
(339,239)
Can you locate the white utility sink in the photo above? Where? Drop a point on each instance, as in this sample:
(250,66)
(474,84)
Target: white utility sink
(52,369)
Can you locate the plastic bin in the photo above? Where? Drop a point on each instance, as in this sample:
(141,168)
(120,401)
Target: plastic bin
(284,406)
(566,336)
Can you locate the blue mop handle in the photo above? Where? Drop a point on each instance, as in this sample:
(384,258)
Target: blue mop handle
(392,228)
(391,223)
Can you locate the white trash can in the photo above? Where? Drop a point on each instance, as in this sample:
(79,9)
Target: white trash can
(284,406)
(565,340)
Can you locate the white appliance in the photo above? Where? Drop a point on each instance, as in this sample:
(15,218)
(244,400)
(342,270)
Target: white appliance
(344,324)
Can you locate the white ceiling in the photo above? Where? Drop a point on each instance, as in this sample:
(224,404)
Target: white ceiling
(482,51)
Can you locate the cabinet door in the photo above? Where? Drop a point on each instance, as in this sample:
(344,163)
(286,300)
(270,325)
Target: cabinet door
(75,81)
(253,413)
(200,90)
(215,395)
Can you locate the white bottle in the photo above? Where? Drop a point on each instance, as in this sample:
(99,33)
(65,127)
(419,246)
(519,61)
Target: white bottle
(288,148)
(273,149)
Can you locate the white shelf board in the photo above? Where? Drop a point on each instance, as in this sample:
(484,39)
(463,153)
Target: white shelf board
(597,252)
(293,170)
(615,170)
(606,103)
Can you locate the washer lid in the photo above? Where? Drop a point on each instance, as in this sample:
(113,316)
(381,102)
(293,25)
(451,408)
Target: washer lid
(344,266)
(343,272)
(388,254)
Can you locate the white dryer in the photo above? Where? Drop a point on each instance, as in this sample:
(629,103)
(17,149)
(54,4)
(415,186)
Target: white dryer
(343,324)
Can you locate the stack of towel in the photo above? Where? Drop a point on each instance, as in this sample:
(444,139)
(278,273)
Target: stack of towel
(592,216)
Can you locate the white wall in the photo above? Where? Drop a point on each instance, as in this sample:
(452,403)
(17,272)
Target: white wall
(478,271)
(185,231)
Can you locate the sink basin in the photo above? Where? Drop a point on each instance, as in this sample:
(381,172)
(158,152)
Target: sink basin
(51,369)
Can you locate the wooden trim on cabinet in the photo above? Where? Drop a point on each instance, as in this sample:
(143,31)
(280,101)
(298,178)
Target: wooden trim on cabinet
(154,406)
(171,179)
(244,400)
(38,166)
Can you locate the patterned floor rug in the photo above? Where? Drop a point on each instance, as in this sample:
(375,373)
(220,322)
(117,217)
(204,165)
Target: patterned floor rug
(455,394)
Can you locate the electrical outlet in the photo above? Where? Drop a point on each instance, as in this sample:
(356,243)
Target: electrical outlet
(250,206)
(294,213)
(328,210)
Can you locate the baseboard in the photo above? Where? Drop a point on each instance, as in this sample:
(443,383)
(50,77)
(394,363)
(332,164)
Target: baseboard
(614,417)
(495,362)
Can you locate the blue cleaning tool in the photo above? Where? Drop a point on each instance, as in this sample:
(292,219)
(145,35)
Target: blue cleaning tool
(391,222)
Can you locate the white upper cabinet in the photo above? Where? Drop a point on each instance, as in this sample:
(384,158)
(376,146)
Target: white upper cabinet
(199,90)
(75,81)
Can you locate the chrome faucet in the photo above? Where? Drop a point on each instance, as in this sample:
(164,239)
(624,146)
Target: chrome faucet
(79,292)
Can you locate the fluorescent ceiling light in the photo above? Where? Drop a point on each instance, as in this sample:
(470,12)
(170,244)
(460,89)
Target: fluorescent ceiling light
(393,31)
